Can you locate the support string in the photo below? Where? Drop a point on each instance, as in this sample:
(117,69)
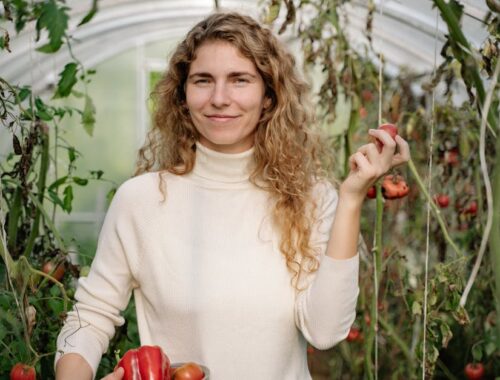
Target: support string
(375,277)
(429,189)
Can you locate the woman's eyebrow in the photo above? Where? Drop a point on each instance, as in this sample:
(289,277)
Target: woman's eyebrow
(231,74)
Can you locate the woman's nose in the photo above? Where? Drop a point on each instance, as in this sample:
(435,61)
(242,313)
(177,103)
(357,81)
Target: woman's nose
(220,95)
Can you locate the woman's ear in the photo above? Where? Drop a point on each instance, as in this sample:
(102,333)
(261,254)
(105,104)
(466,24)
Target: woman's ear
(267,102)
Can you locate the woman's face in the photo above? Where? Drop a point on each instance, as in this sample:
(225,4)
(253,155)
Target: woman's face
(225,97)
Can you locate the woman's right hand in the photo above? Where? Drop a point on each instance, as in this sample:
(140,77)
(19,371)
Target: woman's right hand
(116,375)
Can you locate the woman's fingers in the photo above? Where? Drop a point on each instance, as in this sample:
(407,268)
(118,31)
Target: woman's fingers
(381,161)
(116,375)
(384,138)
(360,164)
(403,154)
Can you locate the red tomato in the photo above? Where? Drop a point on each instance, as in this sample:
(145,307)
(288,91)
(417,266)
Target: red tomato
(451,157)
(474,371)
(367,95)
(394,187)
(363,113)
(188,371)
(442,200)
(368,320)
(353,335)
(472,208)
(50,268)
(22,371)
(371,193)
(145,362)
(391,129)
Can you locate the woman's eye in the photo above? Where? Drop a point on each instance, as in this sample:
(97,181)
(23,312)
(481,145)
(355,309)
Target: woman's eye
(201,81)
(241,80)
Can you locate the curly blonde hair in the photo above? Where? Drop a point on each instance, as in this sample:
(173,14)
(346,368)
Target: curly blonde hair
(287,150)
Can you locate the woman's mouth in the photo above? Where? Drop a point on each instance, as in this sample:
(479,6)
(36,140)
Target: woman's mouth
(221,117)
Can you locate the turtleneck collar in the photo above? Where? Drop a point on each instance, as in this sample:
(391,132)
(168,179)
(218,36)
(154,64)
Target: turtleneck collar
(223,167)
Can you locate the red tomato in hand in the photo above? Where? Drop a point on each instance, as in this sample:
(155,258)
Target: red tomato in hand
(145,362)
(188,371)
(391,129)
(22,371)
(394,187)
(474,371)
(50,268)
(353,335)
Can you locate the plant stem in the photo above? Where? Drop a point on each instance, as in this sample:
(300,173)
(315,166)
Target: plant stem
(377,268)
(391,332)
(434,208)
(495,238)
(465,55)
(42,176)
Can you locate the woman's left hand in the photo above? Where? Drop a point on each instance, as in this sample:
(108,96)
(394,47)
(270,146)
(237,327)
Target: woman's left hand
(368,163)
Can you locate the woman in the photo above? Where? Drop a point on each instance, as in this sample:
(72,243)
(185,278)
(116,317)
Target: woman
(227,235)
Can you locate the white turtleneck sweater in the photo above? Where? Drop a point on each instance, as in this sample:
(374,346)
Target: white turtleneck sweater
(209,282)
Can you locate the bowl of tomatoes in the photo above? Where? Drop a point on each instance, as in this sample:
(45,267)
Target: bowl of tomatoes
(189,371)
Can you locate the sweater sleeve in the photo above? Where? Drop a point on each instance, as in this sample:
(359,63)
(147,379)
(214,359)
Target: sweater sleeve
(105,292)
(326,308)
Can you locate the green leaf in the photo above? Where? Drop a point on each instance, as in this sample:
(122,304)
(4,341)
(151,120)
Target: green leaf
(55,20)
(67,80)
(71,154)
(97,174)
(111,194)
(57,183)
(446,334)
(42,111)
(24,93)
(88,115)
(273,11)
(477,352)
(90,14)
(456,8)
(80,181)
(490,348)
(77,94)
(55,199)
(56,306)
(416,308)
(68,198)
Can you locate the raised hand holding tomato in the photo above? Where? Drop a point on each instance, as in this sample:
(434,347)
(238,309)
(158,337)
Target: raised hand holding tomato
(369,162)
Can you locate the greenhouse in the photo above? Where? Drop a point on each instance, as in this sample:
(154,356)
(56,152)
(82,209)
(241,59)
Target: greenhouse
(243,189)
